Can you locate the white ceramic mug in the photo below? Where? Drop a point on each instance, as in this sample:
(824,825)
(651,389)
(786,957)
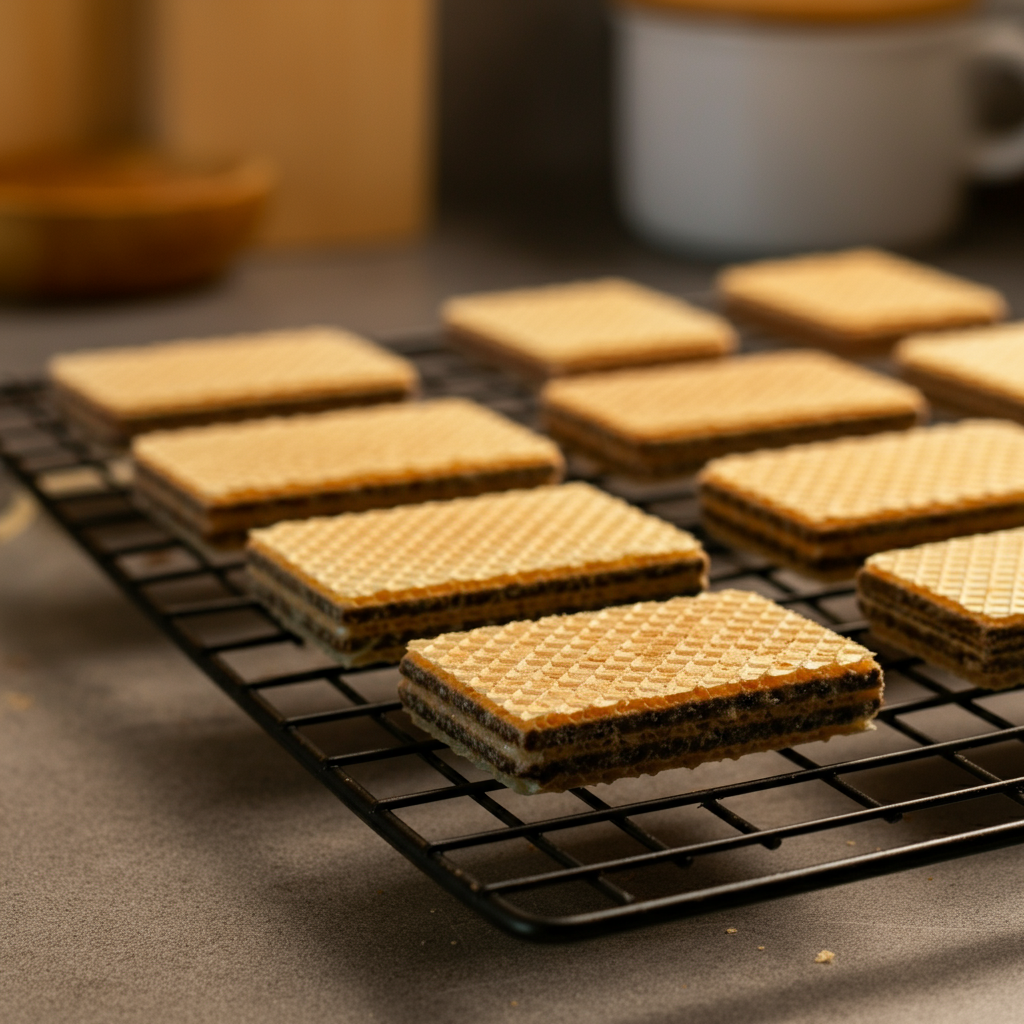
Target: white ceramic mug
(740,137)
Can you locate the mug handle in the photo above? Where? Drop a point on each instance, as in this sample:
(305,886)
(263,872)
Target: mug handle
(996,156)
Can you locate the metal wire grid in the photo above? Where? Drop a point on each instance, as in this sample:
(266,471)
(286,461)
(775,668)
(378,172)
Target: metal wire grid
(942,776)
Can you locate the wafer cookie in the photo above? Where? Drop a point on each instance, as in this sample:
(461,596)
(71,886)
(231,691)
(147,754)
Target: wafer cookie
(119,392)
(824,507)
(855,299)
(979,371)
(216,482)
(362,585)
(587,698)
(957,603)
(659,421)
(586,325)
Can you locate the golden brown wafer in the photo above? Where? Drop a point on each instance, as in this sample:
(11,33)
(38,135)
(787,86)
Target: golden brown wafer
(979,370)
(587,325)
(659,421)
(119,392)
(826,506)
(362,585)
(580,699)
(957,603)
(221,480)
(857,298)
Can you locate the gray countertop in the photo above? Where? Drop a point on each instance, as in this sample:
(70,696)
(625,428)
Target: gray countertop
(163,860)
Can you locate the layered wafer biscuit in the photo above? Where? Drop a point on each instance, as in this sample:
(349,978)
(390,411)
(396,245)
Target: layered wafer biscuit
(659,421)
(117,393)
(855,299)
(580,699)
(363,585)
(824,507)
(958,604)
(587,325)
(217,482)
(979,371)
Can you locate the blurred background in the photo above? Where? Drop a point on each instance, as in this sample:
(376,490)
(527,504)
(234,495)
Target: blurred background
(373,122)
(373,114)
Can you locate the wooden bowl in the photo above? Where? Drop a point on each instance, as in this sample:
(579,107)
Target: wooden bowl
(96,224)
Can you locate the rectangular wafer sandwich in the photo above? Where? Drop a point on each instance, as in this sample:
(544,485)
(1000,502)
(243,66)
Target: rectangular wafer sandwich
(659,421)
(117,393)
(216,482)
(957,603)
(561,329)
(856,299)
(824,507)
(978,371)
(362,585)
(581,699)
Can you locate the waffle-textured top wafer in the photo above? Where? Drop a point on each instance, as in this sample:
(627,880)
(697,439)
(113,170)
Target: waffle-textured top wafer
(241,370)
(650,655)
(860,294)
(284,456)
(738,395)
(982,574)
(990,358)
(946,468)
(589,324)
(493,539)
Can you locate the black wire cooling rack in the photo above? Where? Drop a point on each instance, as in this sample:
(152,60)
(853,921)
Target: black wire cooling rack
(941,776)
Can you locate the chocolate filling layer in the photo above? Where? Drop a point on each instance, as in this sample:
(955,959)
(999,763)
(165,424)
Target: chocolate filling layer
(856,541)
(736,536)
(797,328)
(756,702)
(719,735)
(906,604)
(668,457)
(387,628)
(935,646)
(687,574)
(214,520)
(100,421)
(965,395)
(536,370)
(991,656)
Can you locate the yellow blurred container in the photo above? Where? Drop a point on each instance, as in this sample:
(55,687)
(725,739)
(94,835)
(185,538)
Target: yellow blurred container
(338,94)
(77,224)
(68,72)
